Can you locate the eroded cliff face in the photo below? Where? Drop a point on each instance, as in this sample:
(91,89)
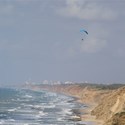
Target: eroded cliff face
(112,108)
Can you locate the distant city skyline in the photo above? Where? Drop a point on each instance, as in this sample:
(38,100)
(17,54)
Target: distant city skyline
(41,39)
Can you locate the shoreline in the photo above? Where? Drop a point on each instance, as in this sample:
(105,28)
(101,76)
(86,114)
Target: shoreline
(78,97)
(105,103)
(83,115)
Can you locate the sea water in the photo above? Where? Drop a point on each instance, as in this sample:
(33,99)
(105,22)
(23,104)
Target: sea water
(27,107)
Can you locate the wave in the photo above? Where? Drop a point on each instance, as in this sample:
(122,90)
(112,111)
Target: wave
(36,108)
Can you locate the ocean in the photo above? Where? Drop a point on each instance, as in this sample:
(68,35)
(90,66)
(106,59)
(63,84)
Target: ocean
(28,107)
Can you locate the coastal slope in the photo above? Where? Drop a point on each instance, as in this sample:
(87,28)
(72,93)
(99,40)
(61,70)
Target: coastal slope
(111,109)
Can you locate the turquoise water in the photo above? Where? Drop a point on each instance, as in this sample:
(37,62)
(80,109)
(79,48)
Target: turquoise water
(27,107)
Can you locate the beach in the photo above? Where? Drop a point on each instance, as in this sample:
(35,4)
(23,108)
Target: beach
(85,96)
(103,104)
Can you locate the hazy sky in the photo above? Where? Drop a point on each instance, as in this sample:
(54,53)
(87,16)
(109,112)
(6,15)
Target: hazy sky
(41,40)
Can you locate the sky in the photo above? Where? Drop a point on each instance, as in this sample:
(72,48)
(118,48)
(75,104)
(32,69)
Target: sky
(41,40)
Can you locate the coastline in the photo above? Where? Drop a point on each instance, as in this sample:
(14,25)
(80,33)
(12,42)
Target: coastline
(105,103)
(83,115)
(76,92)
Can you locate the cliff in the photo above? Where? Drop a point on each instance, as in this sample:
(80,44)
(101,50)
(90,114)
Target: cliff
(112,108)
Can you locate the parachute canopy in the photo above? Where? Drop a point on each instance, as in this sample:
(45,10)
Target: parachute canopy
(83,31)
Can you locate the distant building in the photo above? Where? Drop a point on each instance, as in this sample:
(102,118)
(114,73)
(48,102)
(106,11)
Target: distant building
(68,82)
(45,82)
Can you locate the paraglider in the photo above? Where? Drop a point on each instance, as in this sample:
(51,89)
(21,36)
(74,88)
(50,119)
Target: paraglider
(83,32)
